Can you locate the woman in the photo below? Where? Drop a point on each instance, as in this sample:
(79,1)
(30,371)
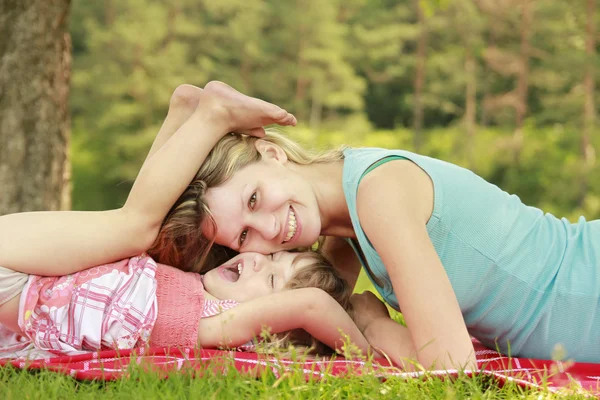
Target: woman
(455,253)
(55,243)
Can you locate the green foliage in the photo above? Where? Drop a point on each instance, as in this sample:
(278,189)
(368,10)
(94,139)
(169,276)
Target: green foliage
(347,69)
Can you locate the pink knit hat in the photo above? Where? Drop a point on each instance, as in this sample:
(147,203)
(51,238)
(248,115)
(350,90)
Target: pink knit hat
(180,297)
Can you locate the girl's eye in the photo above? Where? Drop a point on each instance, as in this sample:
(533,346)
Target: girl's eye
(272,281)
(243,236)
(252,201)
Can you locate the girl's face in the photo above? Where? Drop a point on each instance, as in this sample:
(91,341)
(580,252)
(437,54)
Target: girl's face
(248,276)
(265,207)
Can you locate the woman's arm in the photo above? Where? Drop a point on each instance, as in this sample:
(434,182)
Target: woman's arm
(58,243)
(383,333)
(394,203)
(310,309)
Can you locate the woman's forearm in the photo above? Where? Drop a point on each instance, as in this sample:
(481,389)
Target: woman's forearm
(328,322)
(392,340)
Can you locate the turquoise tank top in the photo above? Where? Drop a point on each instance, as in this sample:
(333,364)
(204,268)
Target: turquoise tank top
(525,281)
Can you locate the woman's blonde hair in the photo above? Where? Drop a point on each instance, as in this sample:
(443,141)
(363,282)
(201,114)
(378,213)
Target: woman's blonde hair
(181,242)
(319,273)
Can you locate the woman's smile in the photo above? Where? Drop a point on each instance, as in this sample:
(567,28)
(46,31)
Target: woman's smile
(293,227)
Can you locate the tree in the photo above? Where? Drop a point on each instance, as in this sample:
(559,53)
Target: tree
(589,83)
(129,57)
(419,75)
(35,67)
(523,75)
(589,109)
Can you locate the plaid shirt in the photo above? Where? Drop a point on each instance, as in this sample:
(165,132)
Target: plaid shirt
(106,307)
(113,306)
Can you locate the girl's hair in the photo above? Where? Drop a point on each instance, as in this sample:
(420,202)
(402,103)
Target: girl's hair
(181,242)
(318,274)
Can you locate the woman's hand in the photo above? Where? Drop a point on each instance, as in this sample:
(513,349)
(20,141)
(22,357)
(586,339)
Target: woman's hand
(367,308)
(237,112)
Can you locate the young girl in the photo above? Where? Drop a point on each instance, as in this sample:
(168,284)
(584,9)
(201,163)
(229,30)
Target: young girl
(62,243)
(455,253)
(136,302)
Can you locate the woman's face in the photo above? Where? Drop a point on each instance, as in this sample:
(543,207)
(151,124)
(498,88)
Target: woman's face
(251,275)
(265,207)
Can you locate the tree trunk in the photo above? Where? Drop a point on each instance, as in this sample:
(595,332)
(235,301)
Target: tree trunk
(589,109)
(419,77)
(316,110)
(487,77)
(109,12)
(301,83)
(470,100)
(35,67)
(523,79)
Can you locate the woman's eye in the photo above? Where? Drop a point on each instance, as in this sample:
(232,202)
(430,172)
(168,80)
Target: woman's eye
(243,236)
(252,201)
(272,281)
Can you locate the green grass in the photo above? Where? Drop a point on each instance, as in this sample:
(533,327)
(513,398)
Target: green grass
(220,380)
(141,384)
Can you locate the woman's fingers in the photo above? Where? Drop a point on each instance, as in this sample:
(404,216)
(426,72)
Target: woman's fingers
(258,132)
(289,120)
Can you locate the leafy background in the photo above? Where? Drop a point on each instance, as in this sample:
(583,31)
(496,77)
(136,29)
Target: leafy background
(348,69)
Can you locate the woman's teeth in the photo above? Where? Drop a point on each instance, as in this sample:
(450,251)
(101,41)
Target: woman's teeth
(291,225)
(239,268)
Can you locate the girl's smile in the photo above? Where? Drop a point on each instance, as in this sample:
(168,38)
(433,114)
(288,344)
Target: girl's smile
(251,275)
(231,273)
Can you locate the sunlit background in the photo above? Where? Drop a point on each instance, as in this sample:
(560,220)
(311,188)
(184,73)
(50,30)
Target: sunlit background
(503,87)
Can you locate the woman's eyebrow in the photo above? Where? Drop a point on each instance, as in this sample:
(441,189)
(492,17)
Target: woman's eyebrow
(234,242)
(243,195)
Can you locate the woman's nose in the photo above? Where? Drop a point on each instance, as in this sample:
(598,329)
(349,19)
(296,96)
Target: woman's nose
(267,226)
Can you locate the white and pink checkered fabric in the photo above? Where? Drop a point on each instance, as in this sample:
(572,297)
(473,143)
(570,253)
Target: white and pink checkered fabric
(106,307)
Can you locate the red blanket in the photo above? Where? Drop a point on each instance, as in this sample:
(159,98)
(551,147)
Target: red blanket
(110,365)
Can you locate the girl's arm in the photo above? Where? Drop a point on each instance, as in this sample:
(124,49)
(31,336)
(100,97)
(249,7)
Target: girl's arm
(182,105)
(310,309)
(394,204)
(58,243)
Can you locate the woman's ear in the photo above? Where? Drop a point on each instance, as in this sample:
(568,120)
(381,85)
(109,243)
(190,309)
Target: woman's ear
(270,151)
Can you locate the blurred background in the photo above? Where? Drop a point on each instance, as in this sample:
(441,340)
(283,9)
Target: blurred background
(506,88)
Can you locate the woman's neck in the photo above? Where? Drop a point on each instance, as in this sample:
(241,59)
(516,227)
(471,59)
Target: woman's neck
(326,180)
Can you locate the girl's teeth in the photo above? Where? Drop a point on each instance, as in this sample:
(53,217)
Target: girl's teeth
(239,268)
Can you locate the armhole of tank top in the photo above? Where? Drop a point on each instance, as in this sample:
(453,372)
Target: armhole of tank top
(378,163)
(365,263)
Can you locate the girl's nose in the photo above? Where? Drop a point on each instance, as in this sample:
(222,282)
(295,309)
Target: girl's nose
(260,262)
(263,262)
